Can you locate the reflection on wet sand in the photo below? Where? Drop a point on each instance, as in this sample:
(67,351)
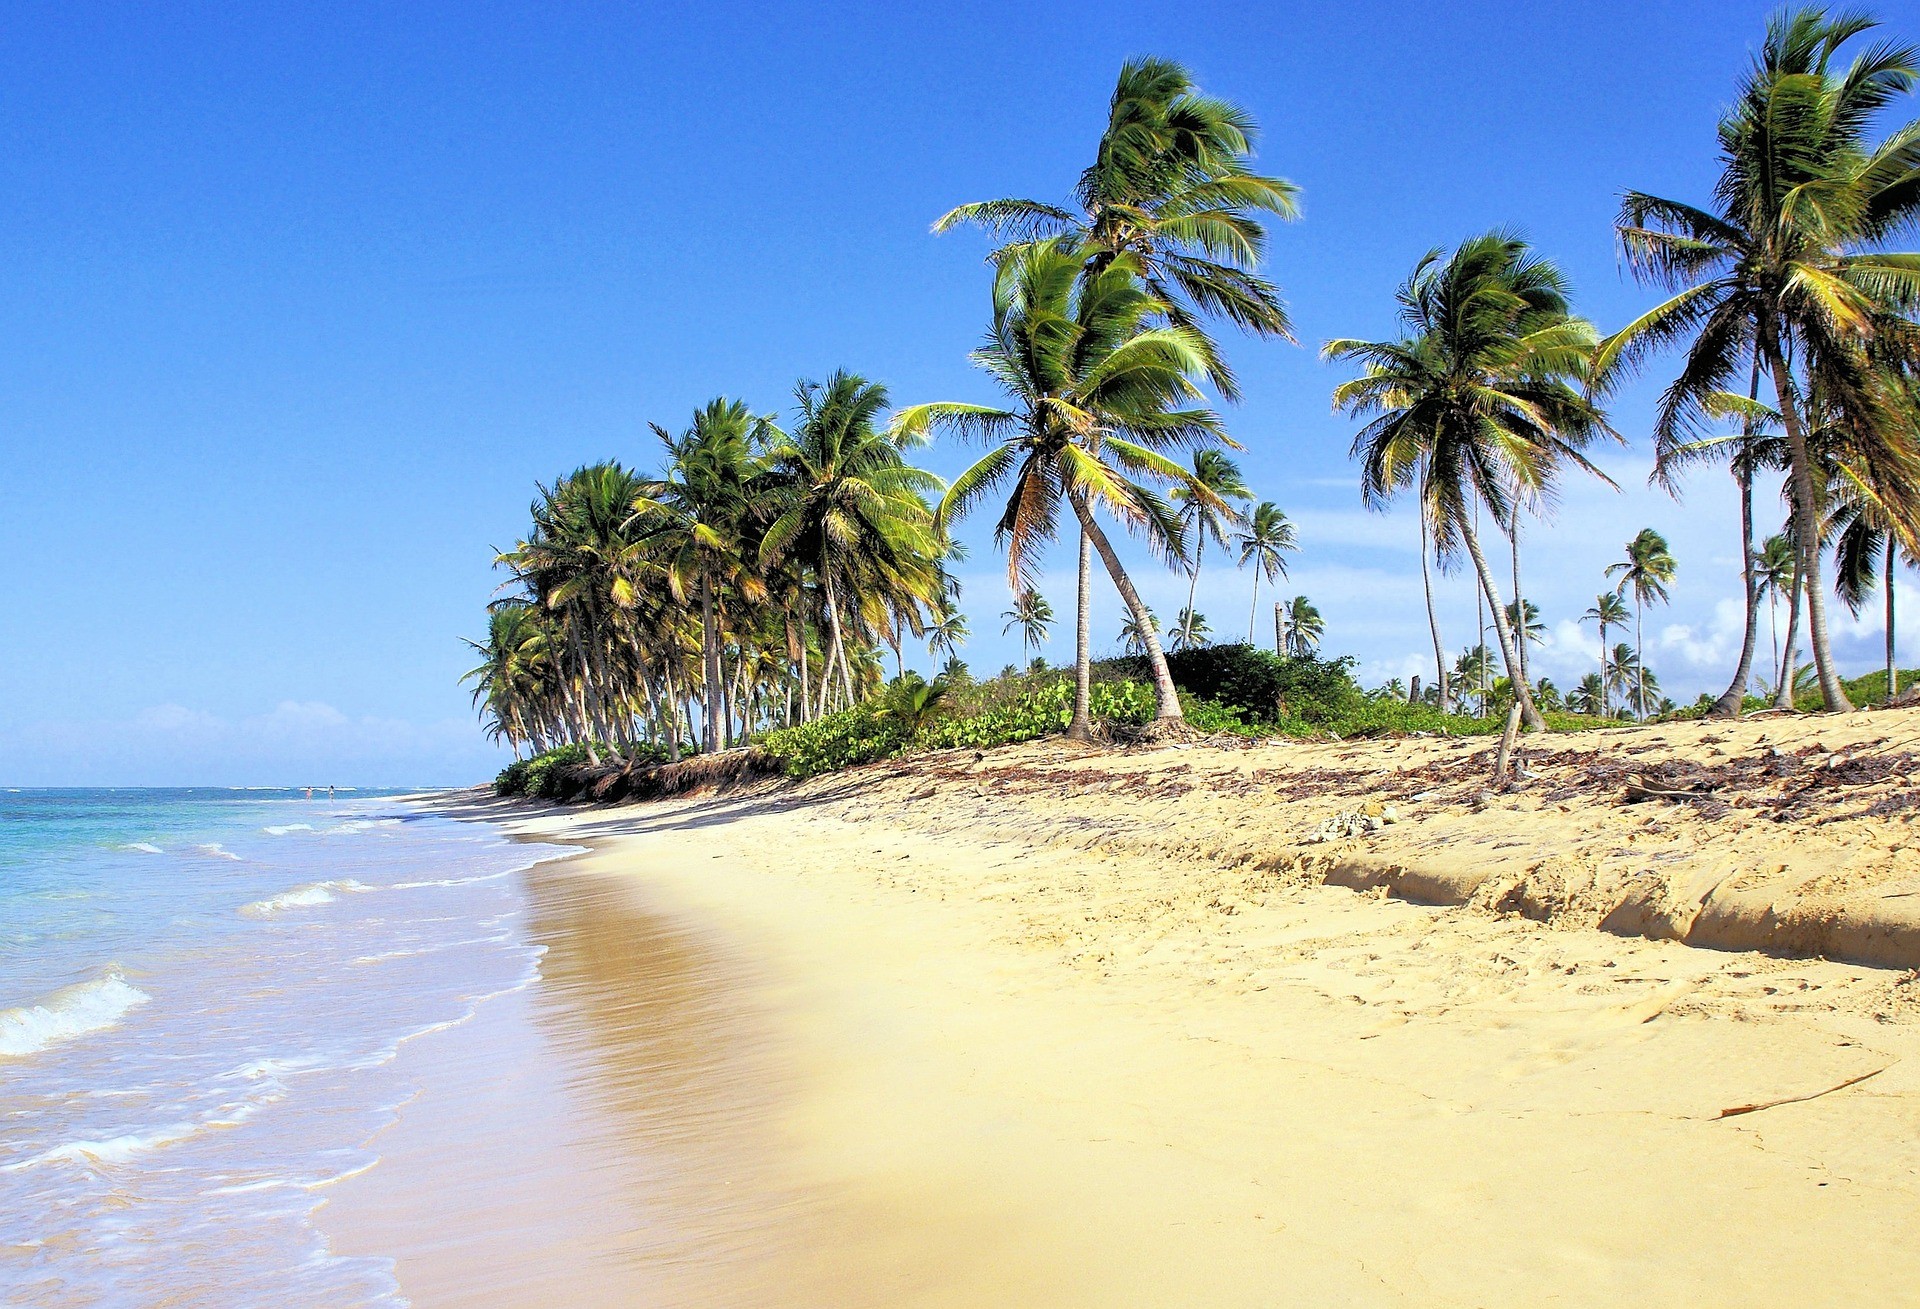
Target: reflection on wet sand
(605,1136)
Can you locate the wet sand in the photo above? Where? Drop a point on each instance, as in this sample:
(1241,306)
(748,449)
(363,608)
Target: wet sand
(866,1042)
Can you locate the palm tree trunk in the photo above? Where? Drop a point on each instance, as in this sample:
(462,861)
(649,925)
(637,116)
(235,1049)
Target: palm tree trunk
(1807,529)
(1783,691)
(1279,627)
(1604,706)
(1253,614)
(1521,691)
(1519,602)
(839,640)
(1734,697)
(1193,584)
(711,692)
(1165,693)
(1893,674)
(1433,618)
(1773,623)
(1081,728)
(1639,658)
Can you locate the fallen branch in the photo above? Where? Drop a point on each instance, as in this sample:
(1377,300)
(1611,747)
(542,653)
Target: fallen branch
(1739,1109)
(1639,788)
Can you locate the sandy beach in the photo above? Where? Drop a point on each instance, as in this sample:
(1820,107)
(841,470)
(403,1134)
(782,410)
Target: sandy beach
(955,1032)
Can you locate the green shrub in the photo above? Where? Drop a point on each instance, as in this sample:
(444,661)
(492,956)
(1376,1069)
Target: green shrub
(1268,687)
(840,740)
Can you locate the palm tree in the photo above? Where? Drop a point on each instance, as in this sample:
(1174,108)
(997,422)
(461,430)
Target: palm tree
(1608,611)
(1589,697)
(1647,570)
(1172,187)
(948,632)
(1095,385)
(1304,627)
(1204,501)
(1482,398)
(1136,632)
(1190,630)
(1786,274)
(1625,674)
(1531,628)
(1866,536)
(851,508)
(695,519)
(1547,696)
(1774,572)
(1264,544)
(1474,668)
(1033,616)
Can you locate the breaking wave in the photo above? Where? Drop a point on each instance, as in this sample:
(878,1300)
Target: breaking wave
(70,1012)
(303,897)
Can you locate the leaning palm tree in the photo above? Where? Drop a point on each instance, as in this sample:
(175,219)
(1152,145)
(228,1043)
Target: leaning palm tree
(1205,504)
(1787,273)
(1647,571)
(1190,630)
(1097,381)
(1264,543)
(1033,616)
(1481,398)
(1868,547)
(1172,186)
(1304,627)
(1608,611)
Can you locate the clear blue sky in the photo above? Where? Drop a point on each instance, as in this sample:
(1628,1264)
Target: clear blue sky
(299,301)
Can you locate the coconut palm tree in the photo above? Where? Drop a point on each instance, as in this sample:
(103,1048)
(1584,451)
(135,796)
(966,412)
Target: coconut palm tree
(1171,185)
(1774,572)
(1589,696)
(1264,543)
(1624,675)
(1098,381)
(1033,616)
(1205,504)
(1608,611)
(1474,668)
(1481,398)
(1136,631)
(851,508)
(948,632)
(1190,630)
(1867,549)
(1304,627)
(1647,571)
(1787,273)
(695,519)
(1535,631)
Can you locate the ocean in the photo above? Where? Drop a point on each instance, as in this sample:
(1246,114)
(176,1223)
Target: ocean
(202,992)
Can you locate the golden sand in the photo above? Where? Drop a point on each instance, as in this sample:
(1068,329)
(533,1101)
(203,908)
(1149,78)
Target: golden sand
(1060,1028)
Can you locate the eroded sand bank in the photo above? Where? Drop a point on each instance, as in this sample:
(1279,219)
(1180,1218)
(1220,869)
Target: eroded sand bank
(1055,1029)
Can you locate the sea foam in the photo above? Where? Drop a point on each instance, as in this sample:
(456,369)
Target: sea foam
(302,897)
(70,1012)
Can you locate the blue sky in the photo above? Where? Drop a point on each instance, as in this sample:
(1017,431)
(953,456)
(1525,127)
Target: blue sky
(298,302)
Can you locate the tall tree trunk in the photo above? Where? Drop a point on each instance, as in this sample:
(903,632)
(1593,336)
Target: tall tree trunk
(1521,691)
(1165,693)
(1433,617)
(1773,623)
(1280,627)
(1253,614)
(1783,691)
(1193,584)
(1807,529)
(1893,674)
(839,640)
(1639,658)
(1519,601)
(1605,698)
(1734,698)
(711,694)
(1081,728)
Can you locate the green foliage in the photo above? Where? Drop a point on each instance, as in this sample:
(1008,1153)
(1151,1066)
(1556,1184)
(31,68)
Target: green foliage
(540,776)
(1267,688)
(853,736)
(1870,689)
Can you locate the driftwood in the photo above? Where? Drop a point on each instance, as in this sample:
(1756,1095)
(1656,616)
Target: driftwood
(1639,788)
(1739,1109)
(1501,778)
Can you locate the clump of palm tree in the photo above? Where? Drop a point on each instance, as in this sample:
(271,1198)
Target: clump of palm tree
(1647,571)
(1776,566)
(1265,542)
(1787,273)
(1033,616)
(913,702)
(1589,696)
(1480,403)
(1625,676)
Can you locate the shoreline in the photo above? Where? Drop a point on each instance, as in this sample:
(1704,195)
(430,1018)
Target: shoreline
(1149,1061)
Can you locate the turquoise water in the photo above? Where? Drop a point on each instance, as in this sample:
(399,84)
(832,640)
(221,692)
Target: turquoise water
(200,994)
